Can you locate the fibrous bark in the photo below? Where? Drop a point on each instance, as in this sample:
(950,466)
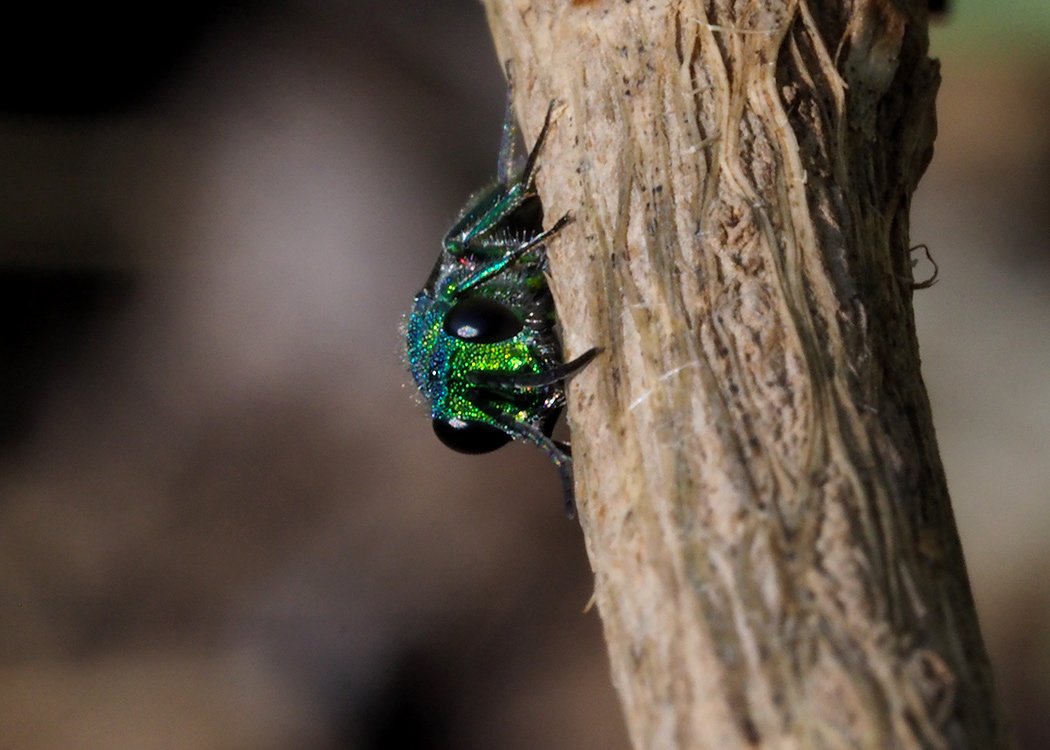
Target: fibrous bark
(776,563)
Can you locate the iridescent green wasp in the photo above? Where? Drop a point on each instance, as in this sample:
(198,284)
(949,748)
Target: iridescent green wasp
(481,336)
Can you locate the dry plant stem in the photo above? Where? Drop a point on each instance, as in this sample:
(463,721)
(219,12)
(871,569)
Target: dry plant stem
(776,562)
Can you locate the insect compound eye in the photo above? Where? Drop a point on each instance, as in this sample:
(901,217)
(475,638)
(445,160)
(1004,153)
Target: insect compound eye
(481,320)
(469,437)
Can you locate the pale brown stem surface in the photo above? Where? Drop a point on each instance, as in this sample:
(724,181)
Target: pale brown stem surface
(776,563)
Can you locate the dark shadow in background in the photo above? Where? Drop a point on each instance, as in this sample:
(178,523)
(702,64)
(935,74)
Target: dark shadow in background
(48,317)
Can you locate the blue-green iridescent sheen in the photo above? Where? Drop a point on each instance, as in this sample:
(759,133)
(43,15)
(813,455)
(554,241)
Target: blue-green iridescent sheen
(441,363)
(509,381)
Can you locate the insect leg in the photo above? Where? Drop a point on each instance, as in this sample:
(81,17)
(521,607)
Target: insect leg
(461,239)
(465,237)
(558,457)
(528,172)
(494,246)
(528,380)
(496,267)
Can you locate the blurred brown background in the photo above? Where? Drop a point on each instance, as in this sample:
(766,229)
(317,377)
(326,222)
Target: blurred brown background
(224,524)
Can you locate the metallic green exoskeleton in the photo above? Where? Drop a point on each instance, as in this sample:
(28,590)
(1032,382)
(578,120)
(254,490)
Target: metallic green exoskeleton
(481,339)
